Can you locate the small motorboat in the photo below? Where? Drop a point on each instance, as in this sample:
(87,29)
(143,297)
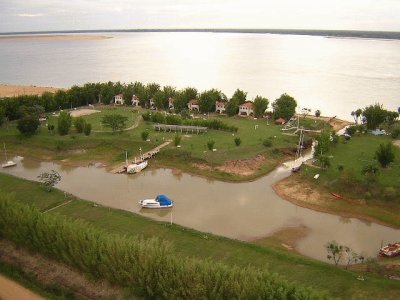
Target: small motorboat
(161,201)
(136,168)
(390,250)
(10,163)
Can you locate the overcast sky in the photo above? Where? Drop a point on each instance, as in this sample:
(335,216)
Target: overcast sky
(38,15)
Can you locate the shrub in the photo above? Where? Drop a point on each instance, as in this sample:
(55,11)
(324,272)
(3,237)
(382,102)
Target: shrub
(146,116)
(210,144)
(87,129)
(50,128)
(79,124)
(395,133)
(64,123)
(385,154)
(145,135)
(238,141)
(28,125)
(267,143)
(340,168)
(177,139)
(351,130)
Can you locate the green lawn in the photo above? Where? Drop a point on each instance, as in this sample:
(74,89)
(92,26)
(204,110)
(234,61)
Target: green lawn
(353,156)
(337,282)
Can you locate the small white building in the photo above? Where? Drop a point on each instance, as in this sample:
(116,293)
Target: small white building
(194,105)
(135,100)
(152,104)
(171,103)
(220,107)
(246,109)
(119,99)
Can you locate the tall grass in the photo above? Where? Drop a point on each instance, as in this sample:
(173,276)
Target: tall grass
(148,265)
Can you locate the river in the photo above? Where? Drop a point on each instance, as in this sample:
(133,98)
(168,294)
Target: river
(334,75)
(244,211)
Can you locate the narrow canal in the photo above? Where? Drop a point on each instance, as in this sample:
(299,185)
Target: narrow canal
(244,211)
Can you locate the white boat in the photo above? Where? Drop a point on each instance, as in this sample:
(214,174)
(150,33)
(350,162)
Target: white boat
(161,201)
(9,163)
(135,168)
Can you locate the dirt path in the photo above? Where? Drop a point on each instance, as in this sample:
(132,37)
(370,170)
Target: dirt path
(10,290)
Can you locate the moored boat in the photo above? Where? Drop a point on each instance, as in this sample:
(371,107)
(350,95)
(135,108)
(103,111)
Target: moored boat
(161,201)
(10,163)
(135,168)
(390,250)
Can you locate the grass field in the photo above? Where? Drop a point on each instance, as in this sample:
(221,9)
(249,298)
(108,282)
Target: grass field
(352,156)
(336,281)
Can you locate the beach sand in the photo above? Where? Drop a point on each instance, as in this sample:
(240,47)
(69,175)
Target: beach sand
(9,90)
(55,37)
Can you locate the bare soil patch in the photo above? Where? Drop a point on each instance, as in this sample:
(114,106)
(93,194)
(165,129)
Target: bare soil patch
(83,112)
(9,90)
(396,143)
(243,167)
(336,124)
(10,290)
(51,272)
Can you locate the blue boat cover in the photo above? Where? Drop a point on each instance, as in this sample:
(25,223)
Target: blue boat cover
(163,200)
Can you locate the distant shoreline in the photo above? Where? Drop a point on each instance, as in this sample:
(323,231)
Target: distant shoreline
(53,37)
(386,35)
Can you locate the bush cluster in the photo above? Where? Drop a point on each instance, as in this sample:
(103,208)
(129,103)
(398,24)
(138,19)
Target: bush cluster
(147,264)
(160,118)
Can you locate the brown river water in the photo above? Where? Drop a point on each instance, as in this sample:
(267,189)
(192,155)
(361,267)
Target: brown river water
(243,211)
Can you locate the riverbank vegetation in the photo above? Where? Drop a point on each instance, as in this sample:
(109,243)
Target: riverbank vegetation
(187,243)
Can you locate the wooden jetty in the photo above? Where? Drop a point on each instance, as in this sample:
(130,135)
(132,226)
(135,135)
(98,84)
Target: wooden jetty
(180,128)
(145,156)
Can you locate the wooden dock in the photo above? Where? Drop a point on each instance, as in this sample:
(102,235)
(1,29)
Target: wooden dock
(145,156)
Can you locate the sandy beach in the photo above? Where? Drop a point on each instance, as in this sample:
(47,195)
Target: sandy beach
(9,90)
(55,37)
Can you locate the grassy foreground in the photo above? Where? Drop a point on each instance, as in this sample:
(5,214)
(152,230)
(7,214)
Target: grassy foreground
(189,243)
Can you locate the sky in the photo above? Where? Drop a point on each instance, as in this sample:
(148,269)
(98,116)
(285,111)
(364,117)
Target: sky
(53,15)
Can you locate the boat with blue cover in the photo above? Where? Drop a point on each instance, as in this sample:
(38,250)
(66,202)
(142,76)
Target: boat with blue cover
(160,201)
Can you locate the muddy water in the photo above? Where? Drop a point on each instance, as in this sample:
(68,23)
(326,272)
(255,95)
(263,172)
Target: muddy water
(244,211)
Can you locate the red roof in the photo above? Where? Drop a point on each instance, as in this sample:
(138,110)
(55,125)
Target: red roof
(280,121)
(134,97)
(119,95)
(194,102)
(219,103)
(247,104)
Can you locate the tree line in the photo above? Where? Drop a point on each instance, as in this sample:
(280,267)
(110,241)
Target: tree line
(147,265)
(91,93)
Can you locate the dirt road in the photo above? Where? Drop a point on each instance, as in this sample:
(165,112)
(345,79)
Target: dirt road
(10,290)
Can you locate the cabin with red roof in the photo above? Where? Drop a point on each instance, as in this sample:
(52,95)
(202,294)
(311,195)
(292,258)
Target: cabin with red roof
(194,105)
(280,121)
(246,109)
(220,107)
(119,99)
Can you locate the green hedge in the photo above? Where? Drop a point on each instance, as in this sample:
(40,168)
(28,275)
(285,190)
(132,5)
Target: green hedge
(216,124)
(148,265)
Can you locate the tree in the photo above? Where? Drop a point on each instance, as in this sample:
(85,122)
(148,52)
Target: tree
(284,107)
(260,105)
(240,96)
(210,144)
(79,124)
(50,128)
(116,122)
(2,115)
(323,144)
(87,129)
(64,123)
(385,154)
(177,139)
(238,141)
(232,107)
(49,179)
(317,113)
(335,252)
(208,99)
(375,115)
(145,135)
(28,125)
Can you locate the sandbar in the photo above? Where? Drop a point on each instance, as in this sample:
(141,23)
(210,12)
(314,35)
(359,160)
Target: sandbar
(55,37)
(9,90)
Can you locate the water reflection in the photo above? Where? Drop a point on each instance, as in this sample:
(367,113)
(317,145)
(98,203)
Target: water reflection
(244,211)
